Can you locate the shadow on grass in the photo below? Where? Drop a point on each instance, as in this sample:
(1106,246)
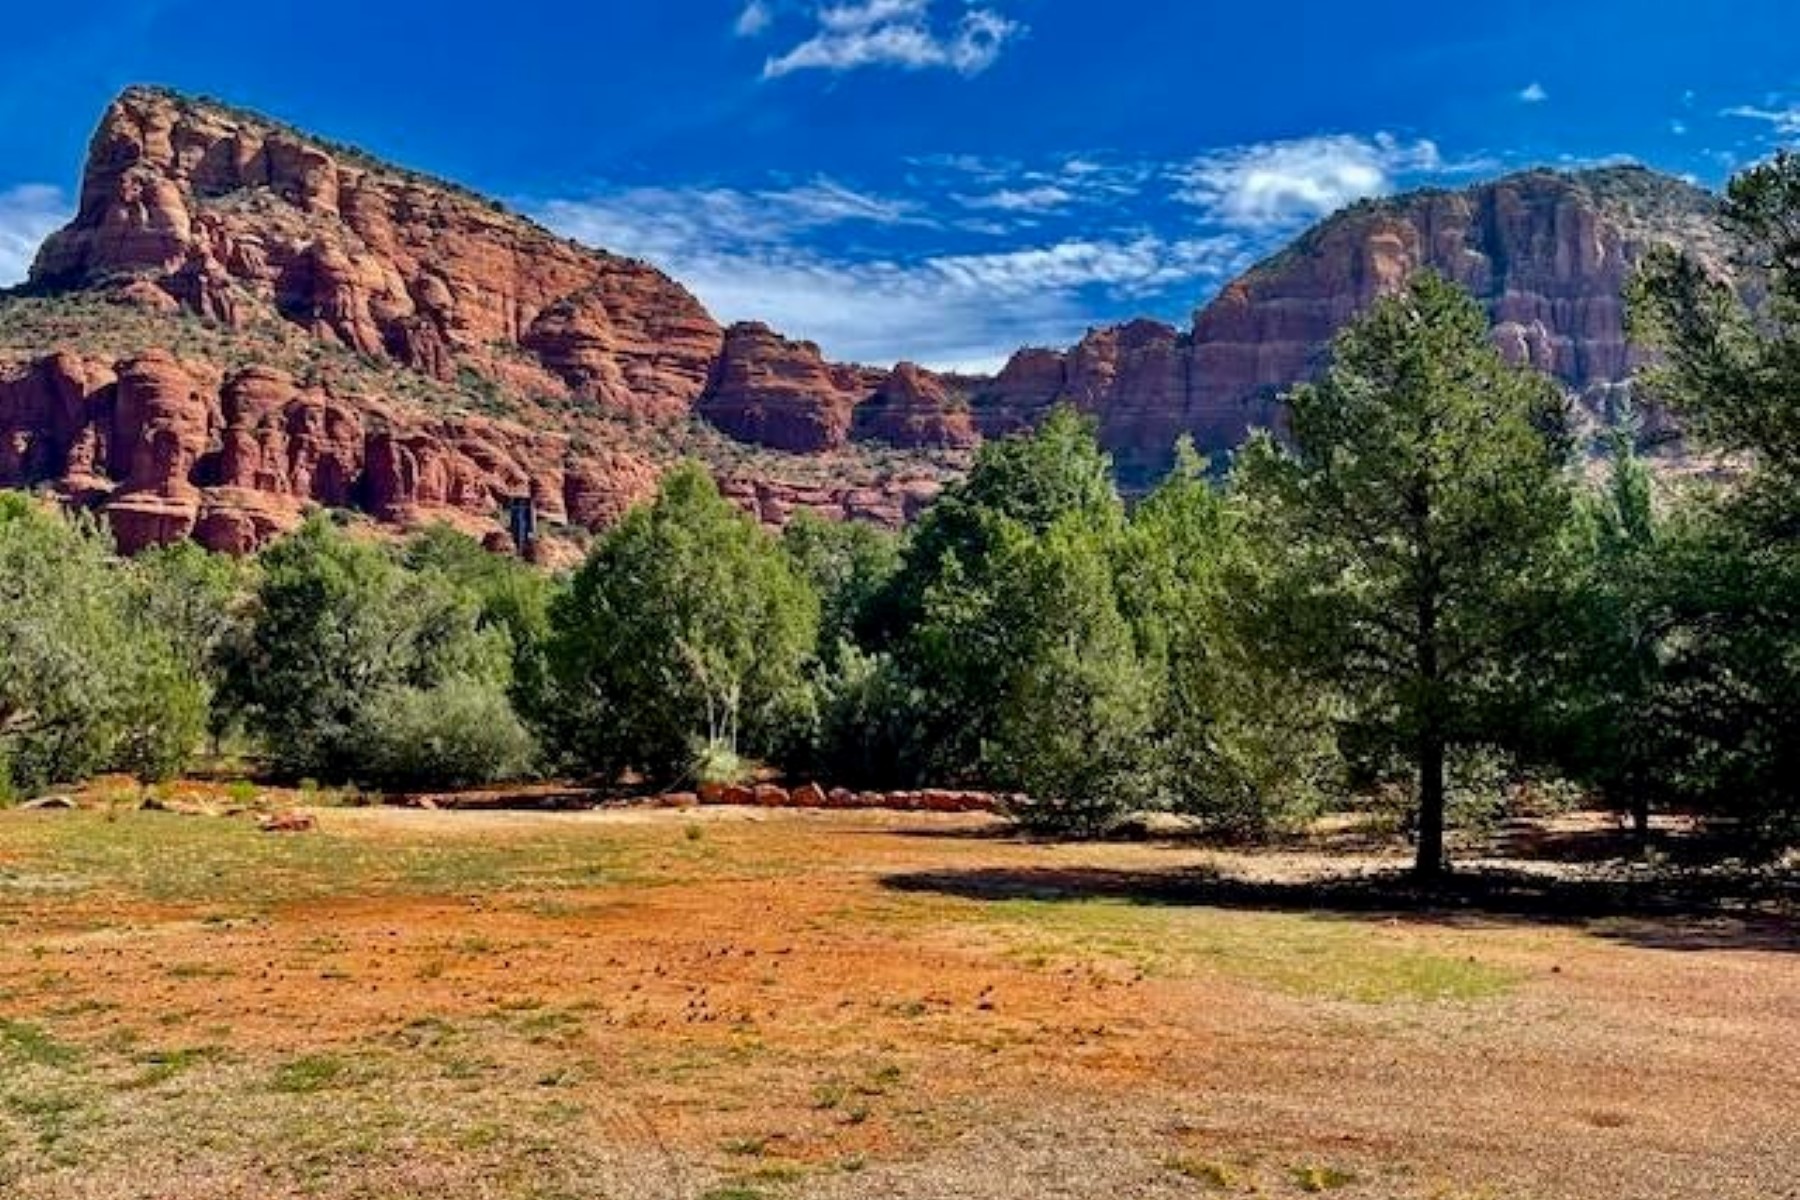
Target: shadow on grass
(1716,911)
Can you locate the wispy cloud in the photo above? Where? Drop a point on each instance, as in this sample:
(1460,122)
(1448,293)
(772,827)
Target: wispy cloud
(667,223)
(1784,119)
(754,20)
(897,33)
(1533,93)
(29,213)
(1042,198)
(1276,185)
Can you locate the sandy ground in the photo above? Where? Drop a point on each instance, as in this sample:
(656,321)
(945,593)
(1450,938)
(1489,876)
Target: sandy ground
(746,1004)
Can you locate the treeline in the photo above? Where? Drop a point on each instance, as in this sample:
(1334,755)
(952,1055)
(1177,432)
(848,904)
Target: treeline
(1424,585)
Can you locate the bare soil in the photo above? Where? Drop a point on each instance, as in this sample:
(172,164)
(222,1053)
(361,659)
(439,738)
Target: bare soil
(739,1004)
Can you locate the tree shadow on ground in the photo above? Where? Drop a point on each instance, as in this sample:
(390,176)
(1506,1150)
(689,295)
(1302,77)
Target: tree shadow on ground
(1715,911)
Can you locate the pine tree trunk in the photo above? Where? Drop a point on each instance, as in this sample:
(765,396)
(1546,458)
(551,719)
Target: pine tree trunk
(1430,864)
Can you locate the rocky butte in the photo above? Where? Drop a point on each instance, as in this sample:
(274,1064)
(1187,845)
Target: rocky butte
(243,321)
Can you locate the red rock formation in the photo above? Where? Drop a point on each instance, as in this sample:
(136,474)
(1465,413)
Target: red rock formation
(1134,379)
(1548,253)
(167,450)
(913,409)
(774,503)
(1032,382)
(287,242)
(242,220)
(780,393)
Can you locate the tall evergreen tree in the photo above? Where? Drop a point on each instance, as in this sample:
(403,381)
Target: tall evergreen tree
(1423,501)
(1730,368)
(1244,742)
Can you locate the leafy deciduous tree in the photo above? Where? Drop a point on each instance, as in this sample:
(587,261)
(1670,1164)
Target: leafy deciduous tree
(686,634)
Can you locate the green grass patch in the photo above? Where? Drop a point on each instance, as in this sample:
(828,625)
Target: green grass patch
(23,1042)
(1314,1178)
(51,1115)
(1303,954)
(1219,1176)
(309,1073)
(160,1066)
(229,864)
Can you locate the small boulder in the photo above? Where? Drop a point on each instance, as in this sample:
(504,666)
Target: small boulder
(43,803)
(770,796)
(737,796)
(809,795)
(291,821)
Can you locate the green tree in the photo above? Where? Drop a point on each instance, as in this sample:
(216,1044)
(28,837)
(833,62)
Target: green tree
(1030,480)
(1075,703)
(848,564)
(1729,365)
(345,643)
(941,616)
(687,635)
(1599,713)
(195,597)
(84,687)
(1424,503)
(861,733)
(513,596)
(1246,743)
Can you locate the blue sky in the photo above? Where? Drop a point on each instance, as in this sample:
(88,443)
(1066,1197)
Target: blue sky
(940,180)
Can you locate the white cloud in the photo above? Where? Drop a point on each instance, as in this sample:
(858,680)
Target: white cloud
(962,259)
(754,20)
(1278,184)
(29,213)
(1534,93)
(897,33)
(1678,128)
(1596,162)
(742,254)
(1785,120)
(662,224)
(1040,199)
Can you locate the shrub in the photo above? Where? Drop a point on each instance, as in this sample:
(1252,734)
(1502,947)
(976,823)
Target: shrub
(458,733)
(356,667)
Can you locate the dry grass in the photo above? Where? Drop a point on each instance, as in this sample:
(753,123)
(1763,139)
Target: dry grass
(507,1006)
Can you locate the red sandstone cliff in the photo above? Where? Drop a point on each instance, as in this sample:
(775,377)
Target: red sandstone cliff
(1548,253)
(354,314)
(259,322)
(776,392)
(241,220)
(172,449)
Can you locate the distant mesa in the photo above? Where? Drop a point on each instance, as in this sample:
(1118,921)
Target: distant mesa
(242,321)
